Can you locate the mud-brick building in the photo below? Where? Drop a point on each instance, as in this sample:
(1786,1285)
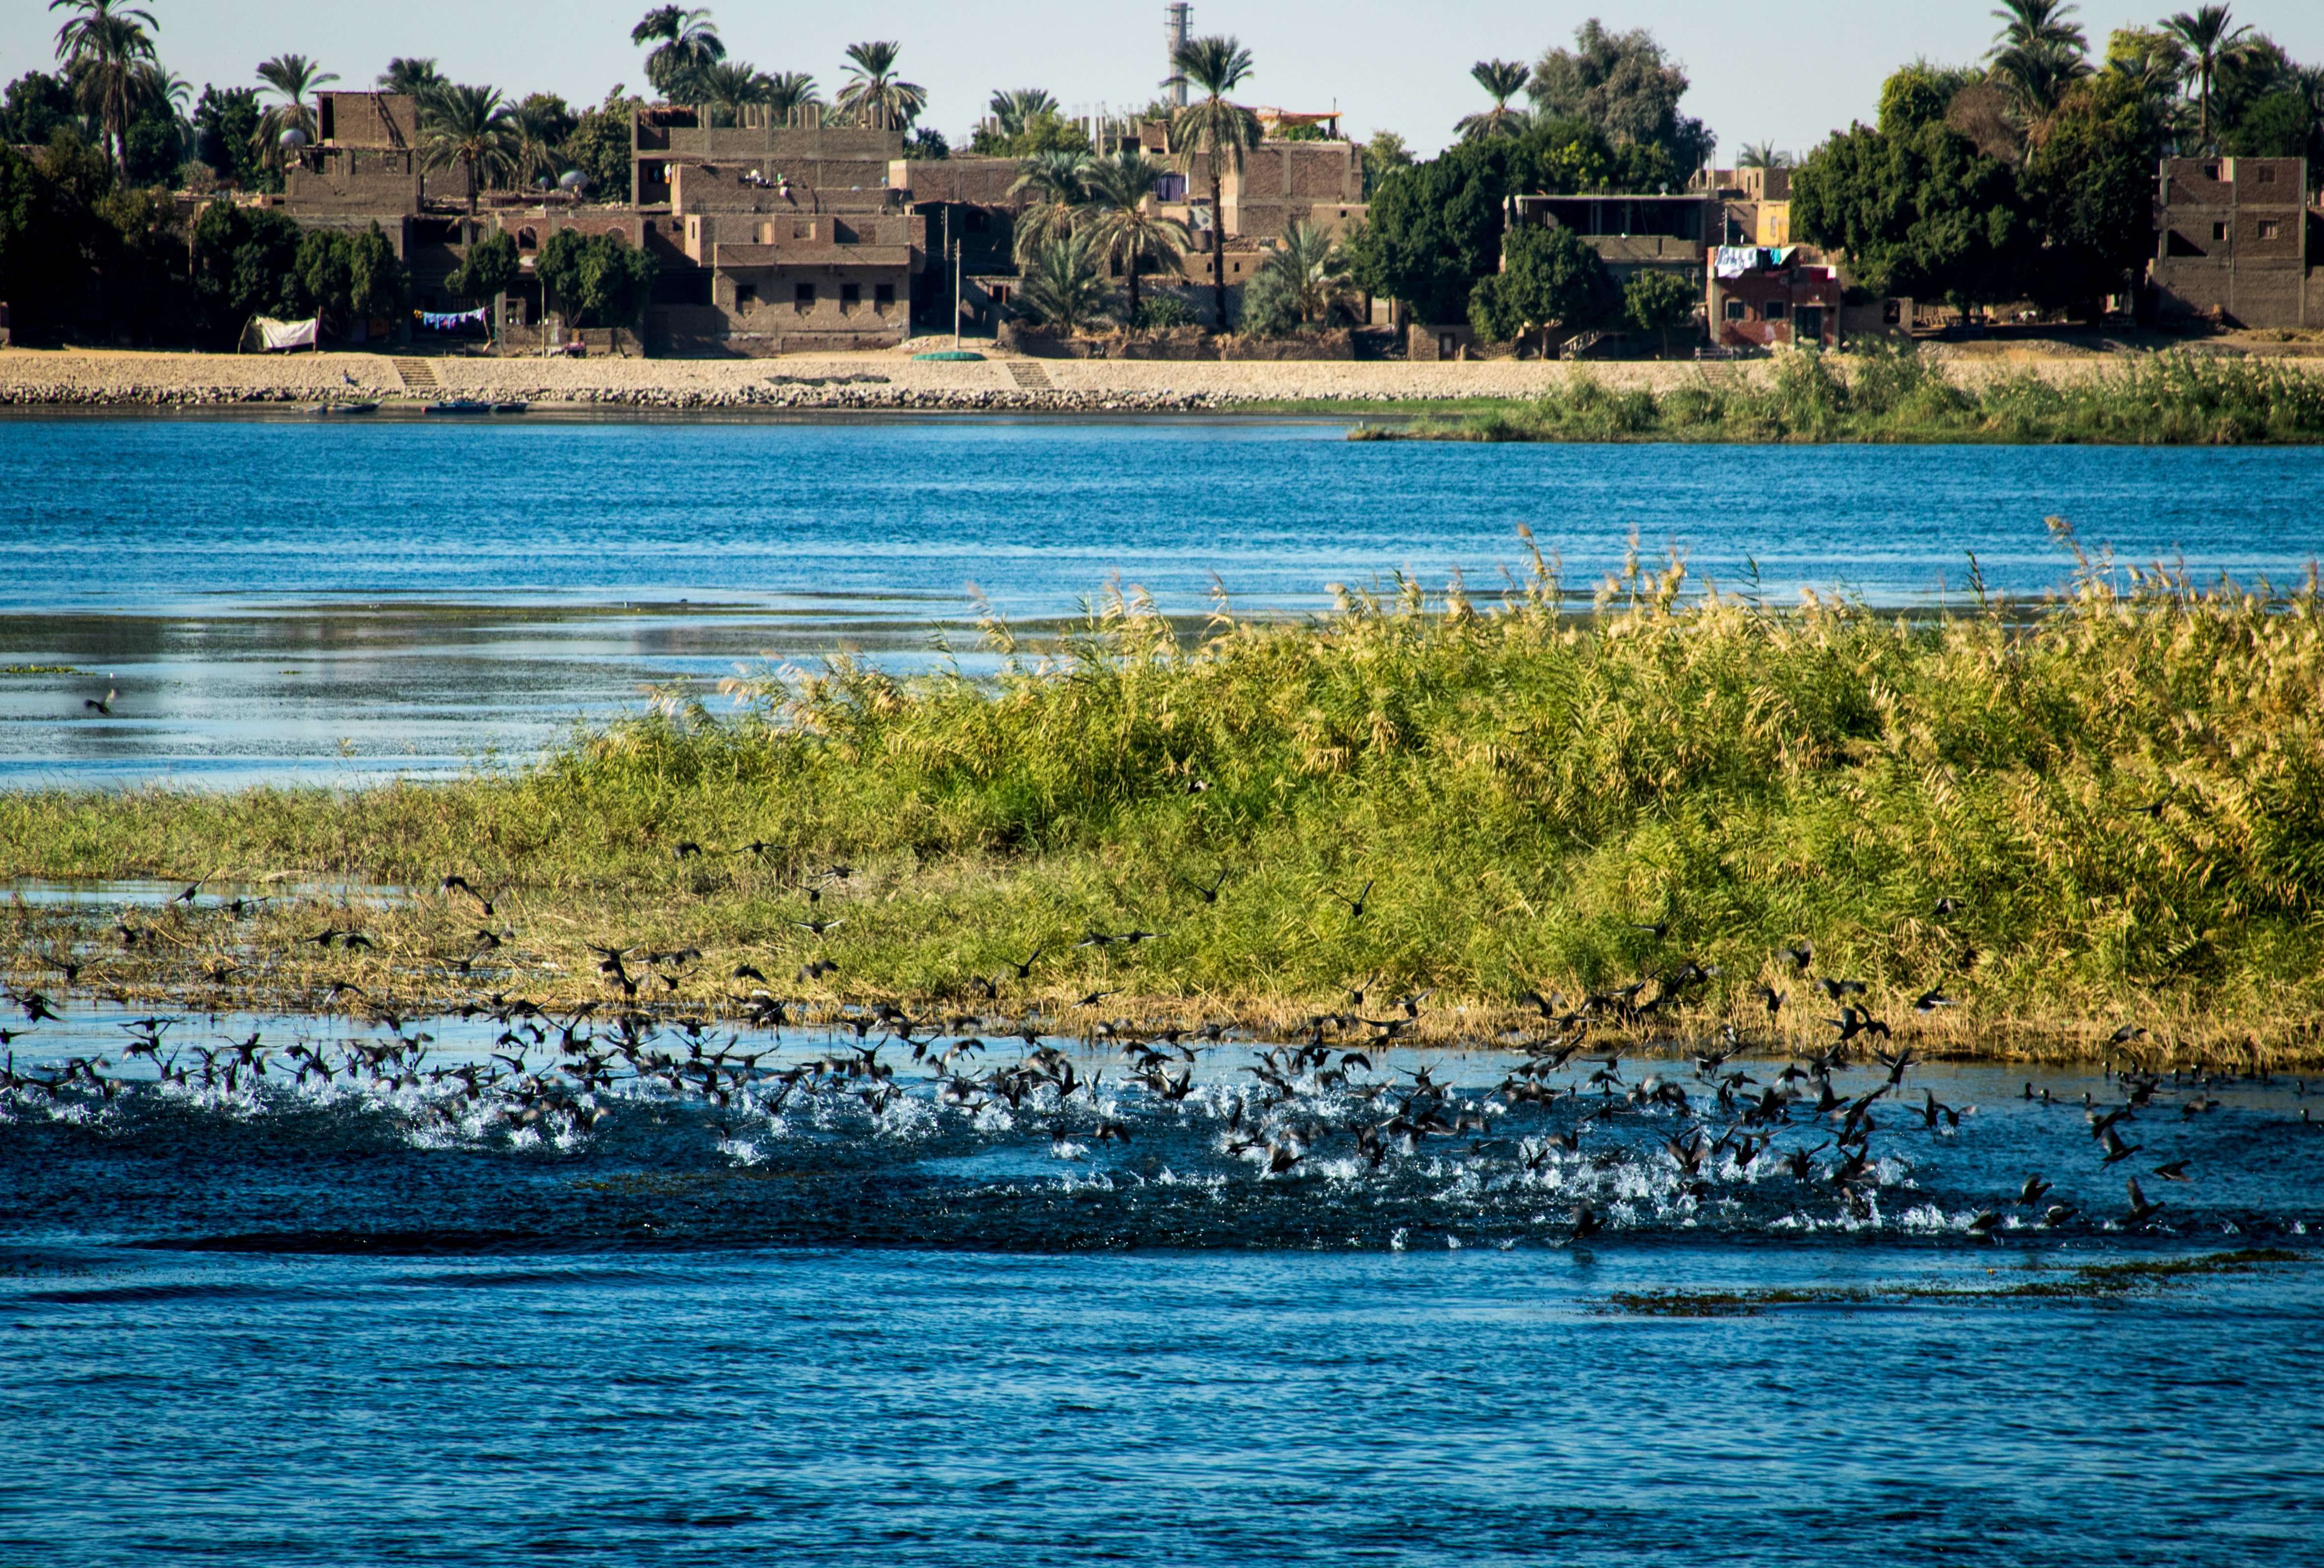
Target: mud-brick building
(2237,242)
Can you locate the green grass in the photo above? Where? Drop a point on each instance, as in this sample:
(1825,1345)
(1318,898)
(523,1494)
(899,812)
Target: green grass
(2123,792)
(2170,399)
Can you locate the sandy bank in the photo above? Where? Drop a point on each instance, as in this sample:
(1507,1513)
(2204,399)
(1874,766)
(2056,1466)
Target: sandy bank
(30,377)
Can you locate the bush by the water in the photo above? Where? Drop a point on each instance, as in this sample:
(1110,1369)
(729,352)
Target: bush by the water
(1902,395)
(2110,807)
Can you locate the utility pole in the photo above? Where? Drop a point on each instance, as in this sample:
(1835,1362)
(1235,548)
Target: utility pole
(958,247)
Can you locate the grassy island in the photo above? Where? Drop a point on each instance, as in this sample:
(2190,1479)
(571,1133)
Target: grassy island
(2172,398)
(2061,820)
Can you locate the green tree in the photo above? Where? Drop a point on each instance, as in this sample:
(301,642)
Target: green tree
(1314,272)
(1053,189)
(1502,80)
(599,147)
(292,77)
(537,130)
(1122,226)
(683,40)
(2089,188)
(926,144)
(874,94)
(787,92)
(1383,155)
(246,263)
(1434,229)
(488,268)
(469,126)
(1763,155)
(1627,86)
(1551,279)
(415,75)
(1656,301)
(1007,114)
(108,54)
(597,280)
(1215,131)
(35,105)
(1061,285)
(1916,210)
(2209,33)
(344,277)
(227,136)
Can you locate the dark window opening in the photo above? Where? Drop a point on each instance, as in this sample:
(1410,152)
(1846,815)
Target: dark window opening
(1738,311)
(1772,312)
(526,240)
(2211,171)
(746,295)
(2267,177)
(883,294)
(2270,229)
(999,292)
(851,295)
(1891,313)
(803,296)
(2219,231)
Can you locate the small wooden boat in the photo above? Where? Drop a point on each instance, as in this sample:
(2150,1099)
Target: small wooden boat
(510,407)
(457,406)
(347,408)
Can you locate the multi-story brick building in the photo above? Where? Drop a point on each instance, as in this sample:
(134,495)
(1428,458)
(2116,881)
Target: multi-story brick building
(2236,241)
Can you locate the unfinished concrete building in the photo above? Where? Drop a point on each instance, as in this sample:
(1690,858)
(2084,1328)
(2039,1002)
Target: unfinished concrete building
(2236,241)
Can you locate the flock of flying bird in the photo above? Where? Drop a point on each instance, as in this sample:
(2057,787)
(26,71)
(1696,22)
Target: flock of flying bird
(1318,1101)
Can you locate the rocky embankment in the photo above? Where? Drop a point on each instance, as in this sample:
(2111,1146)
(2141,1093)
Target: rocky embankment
(866,384)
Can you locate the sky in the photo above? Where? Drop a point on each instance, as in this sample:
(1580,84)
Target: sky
(1788,75)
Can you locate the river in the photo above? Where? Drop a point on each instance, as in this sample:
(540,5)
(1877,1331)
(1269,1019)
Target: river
(280,600)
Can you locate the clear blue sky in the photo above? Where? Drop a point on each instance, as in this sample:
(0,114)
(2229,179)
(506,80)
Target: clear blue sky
(1788,73)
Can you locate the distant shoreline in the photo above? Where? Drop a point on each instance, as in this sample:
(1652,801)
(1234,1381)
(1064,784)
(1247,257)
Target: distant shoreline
(895,384)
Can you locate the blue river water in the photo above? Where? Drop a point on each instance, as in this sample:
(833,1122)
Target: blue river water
(285,599)
(993,1290)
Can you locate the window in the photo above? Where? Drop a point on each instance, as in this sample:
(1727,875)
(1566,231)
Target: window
(850,294)
(2219,231)
(526,240)
(2269,229)
(2266,176)
(1445,349)
(883,294)
(746,295)
(803,297)
(1772,312)
(1738,311)
(999,292)
(2211,171)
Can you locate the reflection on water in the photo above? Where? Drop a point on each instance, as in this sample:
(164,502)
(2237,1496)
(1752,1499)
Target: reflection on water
(301,601)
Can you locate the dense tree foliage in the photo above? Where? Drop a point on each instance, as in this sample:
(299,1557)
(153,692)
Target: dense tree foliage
(1549,277)
(597,280)
(1434,229)
(1624,85)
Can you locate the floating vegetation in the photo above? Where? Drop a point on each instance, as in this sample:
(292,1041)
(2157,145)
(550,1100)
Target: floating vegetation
(42,669)
(2172,398)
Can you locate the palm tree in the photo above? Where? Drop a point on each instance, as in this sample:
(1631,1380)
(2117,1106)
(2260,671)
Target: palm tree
(1063,287)
(293,75)
(2036,25)
(105,49)
(1053,186)
(2208,36)
(1122,226)
(787,92)
(1504,80)
(1014,110)
(1314,271)
(874,91)
(2036,78)
(1215,131)
(532,139)
(1762,156)
(730,86)
(468,126)
(684,42)
(416,76)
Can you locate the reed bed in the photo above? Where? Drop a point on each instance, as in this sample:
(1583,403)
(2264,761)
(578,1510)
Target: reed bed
(2105,812)
(2170,399)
